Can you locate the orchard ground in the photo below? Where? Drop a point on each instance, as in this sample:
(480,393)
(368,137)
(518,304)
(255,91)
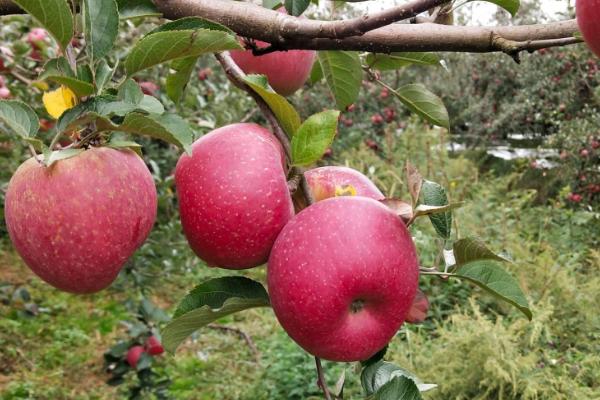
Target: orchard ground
(57,354)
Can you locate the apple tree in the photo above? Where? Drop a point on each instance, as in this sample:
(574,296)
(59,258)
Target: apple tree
(342,270)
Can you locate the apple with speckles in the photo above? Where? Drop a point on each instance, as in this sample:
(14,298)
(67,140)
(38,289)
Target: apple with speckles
(588,19)
(342,277)
(326,182)
(233,195)
(77,222)
(286,71)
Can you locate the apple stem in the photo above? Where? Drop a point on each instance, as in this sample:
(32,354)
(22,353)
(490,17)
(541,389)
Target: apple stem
(321,379)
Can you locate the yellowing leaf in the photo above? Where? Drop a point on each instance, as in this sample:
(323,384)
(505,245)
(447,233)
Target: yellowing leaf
(58,101)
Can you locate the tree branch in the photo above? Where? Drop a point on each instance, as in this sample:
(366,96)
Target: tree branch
(285,26)
(286,32)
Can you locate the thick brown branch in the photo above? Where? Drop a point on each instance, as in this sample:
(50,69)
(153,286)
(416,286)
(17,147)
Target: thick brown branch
(286,32)
(283,26)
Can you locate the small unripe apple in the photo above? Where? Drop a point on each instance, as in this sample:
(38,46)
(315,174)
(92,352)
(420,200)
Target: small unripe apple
(154,347)
(5,93)
(342,277)
(588,15)
(77,222)
(326,182)
(134,354)
(233,195)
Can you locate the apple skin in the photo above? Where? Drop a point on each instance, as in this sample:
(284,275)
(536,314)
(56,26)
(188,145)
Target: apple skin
(286,70)
(134,354)
(588,19)
(76,223)
(326,182)
(233,195)
(330,257)
(154,347)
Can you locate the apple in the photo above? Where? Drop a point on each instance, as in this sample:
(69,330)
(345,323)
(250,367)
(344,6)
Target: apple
(286,71)
(588,15)
(377,119)
(575,197)
(342,277)
(148,88)
(134,354)
(154,347)
(77,222)
(233,195)
(326,182)
(5,93)
(36,38)
(204,74)
(419,308)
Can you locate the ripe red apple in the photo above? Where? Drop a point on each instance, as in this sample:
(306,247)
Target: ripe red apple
(286,70)
(419,308)
(148,88)
(326,182)
(5,93)
(377,119)
(342,277)
(204,74)
(36,38)
(134,354)
(588,15)
(77,222)
(153,346)
(233,195)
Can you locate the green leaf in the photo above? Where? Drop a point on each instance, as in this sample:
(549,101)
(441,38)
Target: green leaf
(178,78)
(104,74)
(490,276)
(314,137)
(58,70)
(271,4)
(160,47)
(286,114)
(512,6)
(316,73)
(343,73)
(61,155)
(168,127)
(375,376)
(210,301)
(399,388)
(137,8)
(434,194)
(473,249)
(130,92)
(424,103)
(151,104)
(117,143)
(101,26)
(423,209)
(54,15)
(296,7)
(385,62)
(19,117)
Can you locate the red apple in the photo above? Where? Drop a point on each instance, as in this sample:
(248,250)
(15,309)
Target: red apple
(77,222)
(148,88)
(204,74)
(377,119)
(419,308)
(342,277)
(5,93)
(286,70)
(153,346)
(588,15)
(134,354)
(326,182)
(36,37)
(233,195)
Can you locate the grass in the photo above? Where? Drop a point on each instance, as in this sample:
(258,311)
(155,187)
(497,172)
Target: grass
(471,346)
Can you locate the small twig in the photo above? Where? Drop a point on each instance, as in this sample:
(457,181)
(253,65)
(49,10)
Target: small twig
(249,116)
(34,153)
(243,335)
(321,379)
